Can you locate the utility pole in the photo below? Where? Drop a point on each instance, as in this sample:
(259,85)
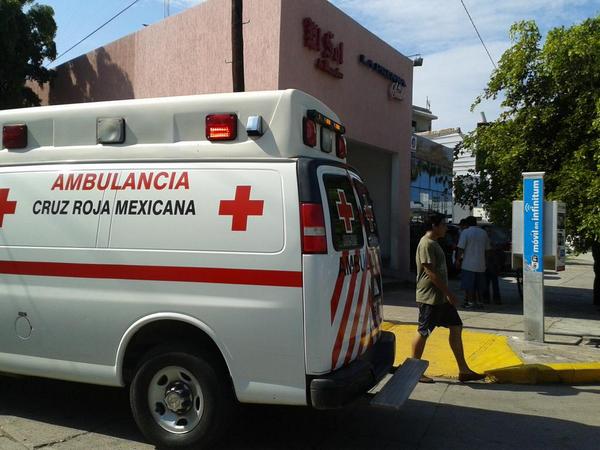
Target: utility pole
(237,46)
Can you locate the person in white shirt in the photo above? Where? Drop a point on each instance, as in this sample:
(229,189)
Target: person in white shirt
(472,247)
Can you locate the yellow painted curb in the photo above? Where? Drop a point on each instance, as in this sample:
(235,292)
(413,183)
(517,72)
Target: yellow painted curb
(490,354)
(566,373)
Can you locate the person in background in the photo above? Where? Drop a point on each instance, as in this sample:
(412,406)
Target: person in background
(437,304)
(493,265)
(462,225)
(472,247)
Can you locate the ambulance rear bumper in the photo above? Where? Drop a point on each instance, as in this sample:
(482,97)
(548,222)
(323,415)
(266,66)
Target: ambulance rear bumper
(338,388)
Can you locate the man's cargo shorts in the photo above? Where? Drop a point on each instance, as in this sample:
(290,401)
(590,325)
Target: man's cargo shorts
(442,315)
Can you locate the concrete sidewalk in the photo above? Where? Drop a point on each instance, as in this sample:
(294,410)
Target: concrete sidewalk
(494,336)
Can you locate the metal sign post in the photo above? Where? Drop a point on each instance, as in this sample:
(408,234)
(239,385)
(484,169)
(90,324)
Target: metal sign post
(533,255)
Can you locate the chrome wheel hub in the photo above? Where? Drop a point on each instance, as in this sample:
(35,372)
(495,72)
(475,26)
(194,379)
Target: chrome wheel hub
(178,397)
(175,399)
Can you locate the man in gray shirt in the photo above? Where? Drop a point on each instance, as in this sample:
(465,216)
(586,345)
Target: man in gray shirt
(472,247)
(437,304)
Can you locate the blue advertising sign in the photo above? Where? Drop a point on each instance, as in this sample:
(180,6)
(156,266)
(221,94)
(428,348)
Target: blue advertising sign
(533,218)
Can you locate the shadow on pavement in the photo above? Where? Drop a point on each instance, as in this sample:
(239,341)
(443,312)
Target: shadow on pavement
(542,389)
(564,302)
(419,424)
(97,409)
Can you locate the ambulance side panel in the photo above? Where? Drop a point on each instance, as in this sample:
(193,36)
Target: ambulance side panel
(213,244)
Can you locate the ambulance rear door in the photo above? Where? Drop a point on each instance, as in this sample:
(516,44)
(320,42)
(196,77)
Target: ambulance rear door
(341,316)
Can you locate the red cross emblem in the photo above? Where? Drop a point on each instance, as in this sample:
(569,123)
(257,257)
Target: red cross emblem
(6,206)
(345,211)
(240,208)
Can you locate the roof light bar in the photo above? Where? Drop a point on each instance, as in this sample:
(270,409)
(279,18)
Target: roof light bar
(14,136)
(327,140)
(325,121)
(309,132)
(254,126)
(110,130)
(221,127)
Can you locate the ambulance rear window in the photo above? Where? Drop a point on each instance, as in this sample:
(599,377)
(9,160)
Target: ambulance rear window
(343,213)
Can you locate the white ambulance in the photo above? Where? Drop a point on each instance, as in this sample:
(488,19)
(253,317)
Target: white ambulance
(200,250)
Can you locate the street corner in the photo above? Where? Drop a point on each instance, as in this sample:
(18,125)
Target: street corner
(489,354)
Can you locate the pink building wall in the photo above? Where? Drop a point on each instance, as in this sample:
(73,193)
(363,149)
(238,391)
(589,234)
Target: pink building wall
(190,53)
(360,98)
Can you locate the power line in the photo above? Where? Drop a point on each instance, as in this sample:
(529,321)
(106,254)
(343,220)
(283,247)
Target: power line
(97,29)
(480,38)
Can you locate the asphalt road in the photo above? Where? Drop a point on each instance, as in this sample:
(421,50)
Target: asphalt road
(44,414)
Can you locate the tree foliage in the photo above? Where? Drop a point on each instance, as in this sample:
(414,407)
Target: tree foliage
(551,123)
(27,31)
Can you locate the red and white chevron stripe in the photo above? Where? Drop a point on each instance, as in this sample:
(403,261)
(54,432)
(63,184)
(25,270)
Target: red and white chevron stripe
(355,318)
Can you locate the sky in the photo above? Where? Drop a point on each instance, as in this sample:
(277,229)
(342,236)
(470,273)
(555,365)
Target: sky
(455,68)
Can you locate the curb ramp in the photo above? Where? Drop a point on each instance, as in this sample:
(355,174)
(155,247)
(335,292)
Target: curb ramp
(490,354)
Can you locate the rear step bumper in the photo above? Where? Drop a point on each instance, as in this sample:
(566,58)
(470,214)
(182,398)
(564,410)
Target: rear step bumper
(344,385)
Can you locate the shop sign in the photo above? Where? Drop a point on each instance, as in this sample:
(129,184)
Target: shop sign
(398,86)
(413,143)
(397,91)
(331,54)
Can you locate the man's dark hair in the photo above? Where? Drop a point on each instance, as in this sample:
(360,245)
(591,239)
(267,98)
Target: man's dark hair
(433,220)
(471,221)
(462,223)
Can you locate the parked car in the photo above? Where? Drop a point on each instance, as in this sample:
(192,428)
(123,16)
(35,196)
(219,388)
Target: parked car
(501,242)
(449,244)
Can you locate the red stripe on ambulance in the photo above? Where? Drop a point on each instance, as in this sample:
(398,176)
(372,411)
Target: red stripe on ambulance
(339,283)
(253,277)
(365,336)
(357,315)
(337,347)
(366,330)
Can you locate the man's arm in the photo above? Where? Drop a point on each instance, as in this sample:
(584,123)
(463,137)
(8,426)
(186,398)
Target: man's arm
(439,283)
(460,249)
(460,254)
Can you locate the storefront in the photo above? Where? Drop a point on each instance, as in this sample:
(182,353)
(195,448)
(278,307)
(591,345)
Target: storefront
(308,45)
(430,186)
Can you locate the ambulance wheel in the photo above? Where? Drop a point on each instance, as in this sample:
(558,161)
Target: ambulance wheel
(180,400)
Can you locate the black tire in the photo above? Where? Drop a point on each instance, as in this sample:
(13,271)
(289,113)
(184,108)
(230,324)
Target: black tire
(217,397)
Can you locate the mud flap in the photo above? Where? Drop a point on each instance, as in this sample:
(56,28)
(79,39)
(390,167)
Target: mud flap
(399,387)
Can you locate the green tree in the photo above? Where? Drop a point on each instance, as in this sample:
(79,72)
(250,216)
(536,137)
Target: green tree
(27,33)
(551,123)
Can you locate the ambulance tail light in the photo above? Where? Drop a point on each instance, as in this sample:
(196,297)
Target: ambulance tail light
(309,132)
(14,136)
(221,127)
(312,221)
(341,151)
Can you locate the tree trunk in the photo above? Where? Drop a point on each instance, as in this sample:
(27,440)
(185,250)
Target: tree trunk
(237,46)
(596,256)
